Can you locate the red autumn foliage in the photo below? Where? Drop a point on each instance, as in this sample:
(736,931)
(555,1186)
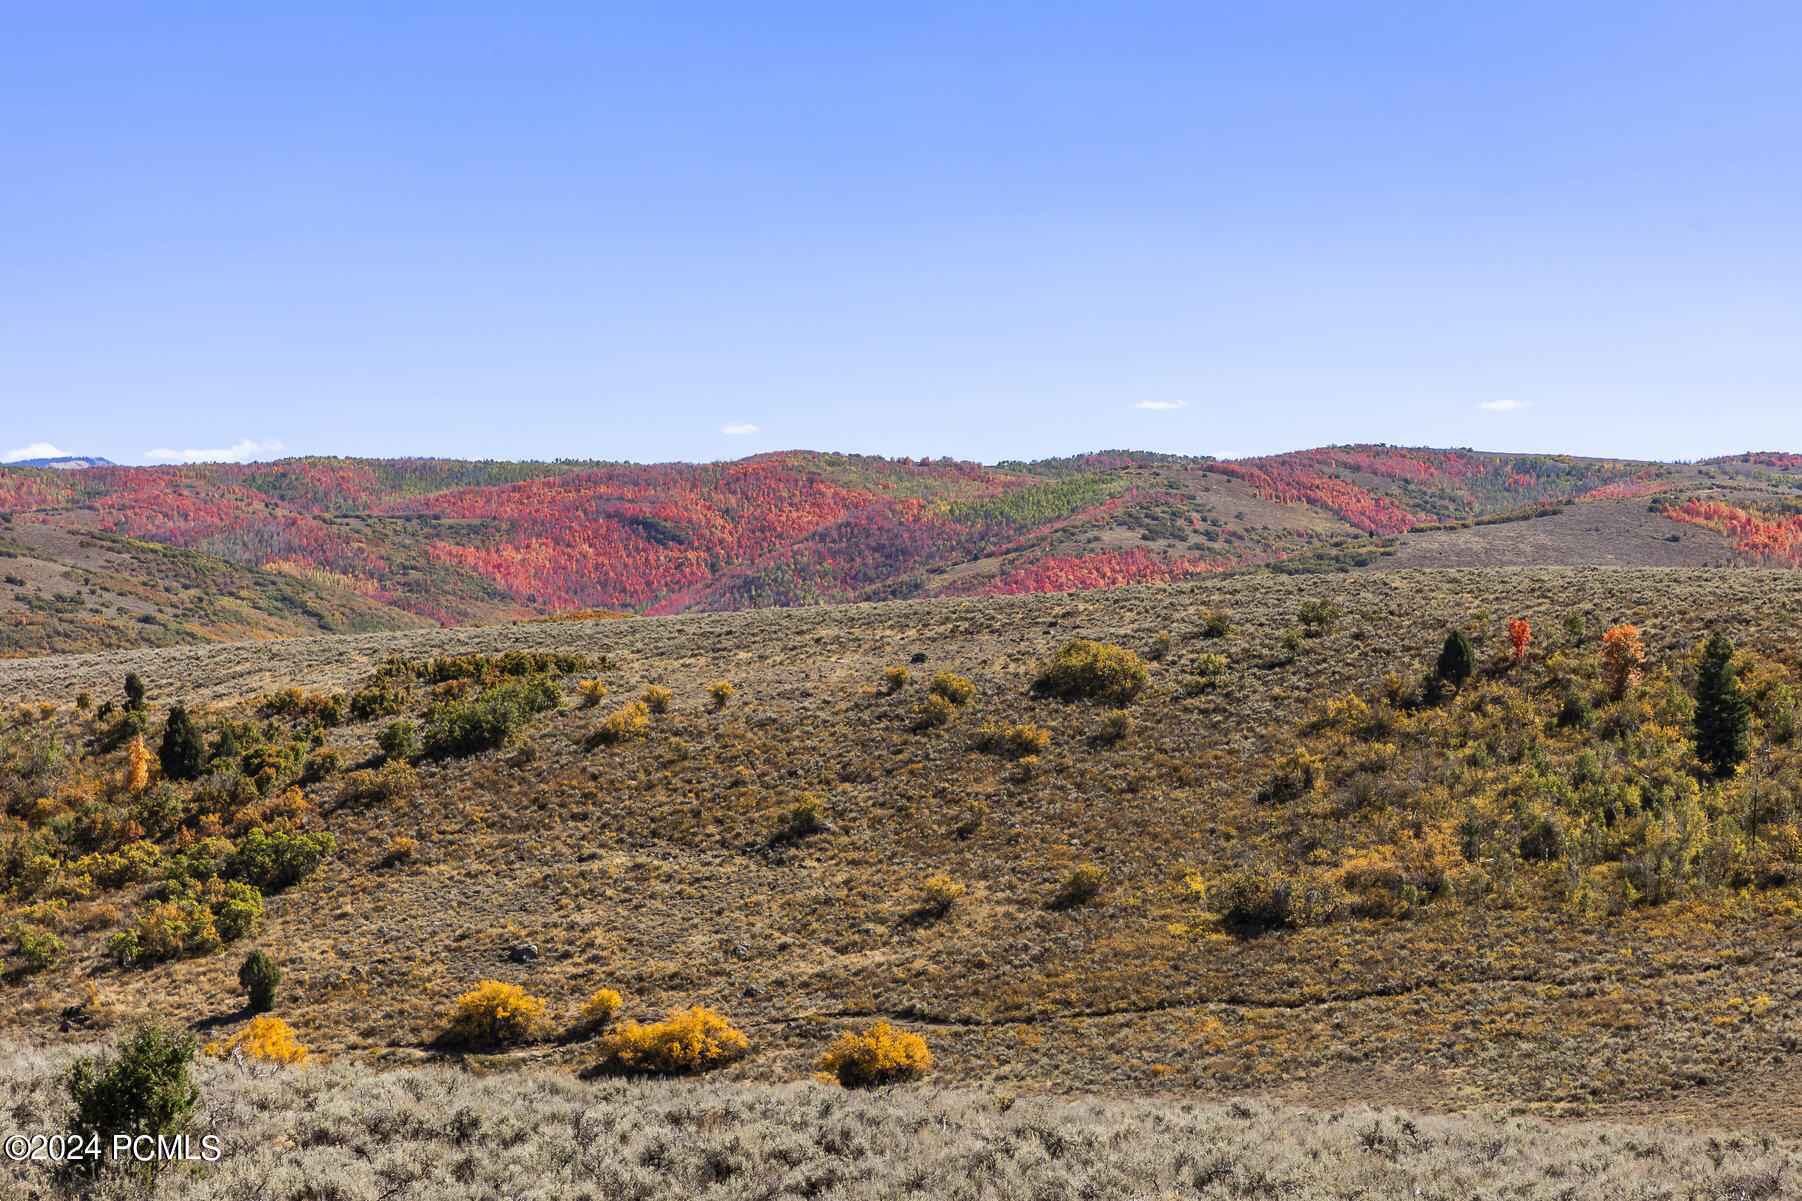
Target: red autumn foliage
(1772,539)
(1105,569)
(1520,633)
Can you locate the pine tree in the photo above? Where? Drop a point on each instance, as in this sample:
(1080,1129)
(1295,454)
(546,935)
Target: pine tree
(258,977)
(183,752)
(225,748)
(1457,661)
(134,692)
(1722,712)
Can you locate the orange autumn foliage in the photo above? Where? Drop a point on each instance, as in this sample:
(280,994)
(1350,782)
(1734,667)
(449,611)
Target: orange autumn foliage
(1622,652)
(137,772)
(1520,633)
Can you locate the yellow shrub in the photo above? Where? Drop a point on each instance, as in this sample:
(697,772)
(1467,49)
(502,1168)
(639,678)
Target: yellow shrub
(268,1040)
(1298,774)
(686,1041)
(1080,886)
(401,849)
(1015,742)
(599,1009)
(494,1012)
(879,1055)
(592,691)
(623,725)
(953,688)
(896,678)
(657,699)
(721,691)
(932,712)
(1093,670)
(1116,726)
(942,893)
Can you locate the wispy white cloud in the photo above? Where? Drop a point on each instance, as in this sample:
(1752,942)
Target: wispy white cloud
(1162,406)
(738,427)
(243,452)
(1505,406)
(37,450)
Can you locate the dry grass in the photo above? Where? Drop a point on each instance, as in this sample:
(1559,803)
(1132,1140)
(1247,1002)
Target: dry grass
(343,1131)
(648,865)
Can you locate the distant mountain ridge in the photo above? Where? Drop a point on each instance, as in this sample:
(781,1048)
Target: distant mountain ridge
(66,462)
(114,556)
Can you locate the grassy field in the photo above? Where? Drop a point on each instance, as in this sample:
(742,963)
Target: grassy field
(346,1132)
(1487,908)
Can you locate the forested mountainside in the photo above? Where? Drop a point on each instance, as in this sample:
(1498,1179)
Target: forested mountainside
(110,557)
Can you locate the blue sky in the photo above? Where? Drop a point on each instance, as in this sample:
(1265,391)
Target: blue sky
(979,229)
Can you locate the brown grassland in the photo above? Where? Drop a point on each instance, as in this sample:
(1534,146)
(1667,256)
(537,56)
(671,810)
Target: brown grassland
(1282,868)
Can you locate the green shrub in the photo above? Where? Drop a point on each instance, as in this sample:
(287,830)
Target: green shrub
(1217,624)
(272,860)
(375,702)
(390,781)
(1092,670)
(39,949)
(494,719)
(1318,616)
(399,739)
(145,1088)
(258,977)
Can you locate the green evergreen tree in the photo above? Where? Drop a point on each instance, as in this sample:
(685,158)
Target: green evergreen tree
(1457,661)
(134,692)
(1723,714)
(183,752)
(145,1089)
(258,977)
(225,748)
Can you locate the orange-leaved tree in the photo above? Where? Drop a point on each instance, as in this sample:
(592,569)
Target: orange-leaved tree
(137,771)
(1622,653)
(1520,633)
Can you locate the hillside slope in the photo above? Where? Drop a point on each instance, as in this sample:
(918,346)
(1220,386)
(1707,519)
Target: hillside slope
(1483,900)
(339,545)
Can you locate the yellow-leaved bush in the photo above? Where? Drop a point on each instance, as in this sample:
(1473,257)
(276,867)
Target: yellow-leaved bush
(879,1055)
(691,1040)
(598,1009)
(267,1040)
(623,725)
(496,1012)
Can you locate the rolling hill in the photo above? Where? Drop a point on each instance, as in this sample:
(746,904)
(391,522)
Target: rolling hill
(108,557)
